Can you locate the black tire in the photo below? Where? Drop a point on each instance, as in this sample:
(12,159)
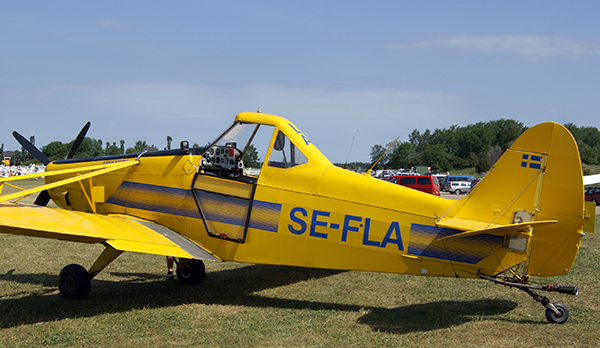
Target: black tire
(557,319)
(457,192)
(191,271)
(594,200)
(74,282)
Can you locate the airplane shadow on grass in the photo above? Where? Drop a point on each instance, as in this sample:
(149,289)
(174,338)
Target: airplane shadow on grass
(234,287)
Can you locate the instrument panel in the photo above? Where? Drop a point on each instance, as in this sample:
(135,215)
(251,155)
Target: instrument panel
(223,158)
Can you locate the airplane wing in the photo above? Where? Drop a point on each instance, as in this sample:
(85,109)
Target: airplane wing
(123,233)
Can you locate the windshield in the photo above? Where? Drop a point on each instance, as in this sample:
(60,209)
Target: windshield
(241,149)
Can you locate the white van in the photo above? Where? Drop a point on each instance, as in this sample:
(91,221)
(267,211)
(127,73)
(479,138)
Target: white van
(459,187)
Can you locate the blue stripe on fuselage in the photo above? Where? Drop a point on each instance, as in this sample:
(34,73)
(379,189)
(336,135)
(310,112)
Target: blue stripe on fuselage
(473,249)
(161,199)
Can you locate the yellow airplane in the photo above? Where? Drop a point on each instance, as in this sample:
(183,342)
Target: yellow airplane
(263,193)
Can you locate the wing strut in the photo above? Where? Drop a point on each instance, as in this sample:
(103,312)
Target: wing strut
(103,169)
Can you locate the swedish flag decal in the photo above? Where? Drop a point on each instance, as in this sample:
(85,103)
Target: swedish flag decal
(531,161)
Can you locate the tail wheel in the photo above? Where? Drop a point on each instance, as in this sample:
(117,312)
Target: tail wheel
(561,317)
(74,282)
(190,271)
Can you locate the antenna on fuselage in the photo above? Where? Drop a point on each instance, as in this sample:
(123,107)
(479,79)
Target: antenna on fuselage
(368,173)
(354,138)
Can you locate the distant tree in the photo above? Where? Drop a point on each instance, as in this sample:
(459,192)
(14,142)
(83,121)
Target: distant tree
(122,146)
(495,154)
(140,146)
(17,156)
(589,155)
(32,141)
(55,150)
(590,136)
(376,152)
(401,155)
(436,157)
(574,130)
(169,140)
(251,158)
(588,141)
(89,147)
(506,132)
(113,149)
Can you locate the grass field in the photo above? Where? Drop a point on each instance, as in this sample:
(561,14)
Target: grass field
(241,305)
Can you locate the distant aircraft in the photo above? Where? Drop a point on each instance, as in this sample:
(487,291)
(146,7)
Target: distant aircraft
(263,193)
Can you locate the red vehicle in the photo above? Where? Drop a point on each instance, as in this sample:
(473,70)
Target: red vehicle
(592,194)
(425,183)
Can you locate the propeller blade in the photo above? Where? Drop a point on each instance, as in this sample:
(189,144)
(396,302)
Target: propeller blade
(78,141)
(32,149)
(43,198)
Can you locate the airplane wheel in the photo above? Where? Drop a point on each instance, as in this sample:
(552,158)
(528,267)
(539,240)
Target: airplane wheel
(191,272)
(557,319)
(74,282)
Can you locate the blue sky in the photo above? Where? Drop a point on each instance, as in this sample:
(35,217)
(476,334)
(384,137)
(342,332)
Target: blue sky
(376,69)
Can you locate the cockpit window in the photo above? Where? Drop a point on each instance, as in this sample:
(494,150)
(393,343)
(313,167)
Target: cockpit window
(240,150)
(285,154)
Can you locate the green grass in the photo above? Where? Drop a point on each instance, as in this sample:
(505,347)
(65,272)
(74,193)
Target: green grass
(241,305)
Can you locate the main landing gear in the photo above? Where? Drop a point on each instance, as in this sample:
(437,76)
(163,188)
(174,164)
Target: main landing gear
(75,280)
(556,313)
(190,271)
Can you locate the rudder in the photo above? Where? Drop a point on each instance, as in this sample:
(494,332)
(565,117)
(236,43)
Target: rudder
(539,178)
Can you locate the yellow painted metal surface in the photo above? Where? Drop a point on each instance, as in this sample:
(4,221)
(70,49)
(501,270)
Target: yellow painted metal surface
(227,187)
(122,233)
(528,211)
(590,217)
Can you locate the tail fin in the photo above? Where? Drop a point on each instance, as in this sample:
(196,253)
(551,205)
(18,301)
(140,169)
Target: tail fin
(538,179)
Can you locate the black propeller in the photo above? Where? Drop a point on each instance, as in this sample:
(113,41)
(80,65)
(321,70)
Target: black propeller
(31,148)
(78,140)
(44,197)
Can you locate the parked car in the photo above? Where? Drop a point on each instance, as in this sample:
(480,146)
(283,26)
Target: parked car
(459,187)
(442,180)
(453,178)
(473,183)
(424,183)
(592,194)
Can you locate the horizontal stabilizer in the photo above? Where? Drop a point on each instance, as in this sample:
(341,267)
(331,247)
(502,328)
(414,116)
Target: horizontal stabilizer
(497,229)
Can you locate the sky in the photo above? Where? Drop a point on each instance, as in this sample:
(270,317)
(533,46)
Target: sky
(349,74)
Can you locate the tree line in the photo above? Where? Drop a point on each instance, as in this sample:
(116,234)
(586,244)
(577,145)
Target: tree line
(477,145)
(588,141)
(89,147)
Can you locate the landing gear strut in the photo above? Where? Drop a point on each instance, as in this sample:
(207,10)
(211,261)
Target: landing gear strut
(75,281)
(556,313)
